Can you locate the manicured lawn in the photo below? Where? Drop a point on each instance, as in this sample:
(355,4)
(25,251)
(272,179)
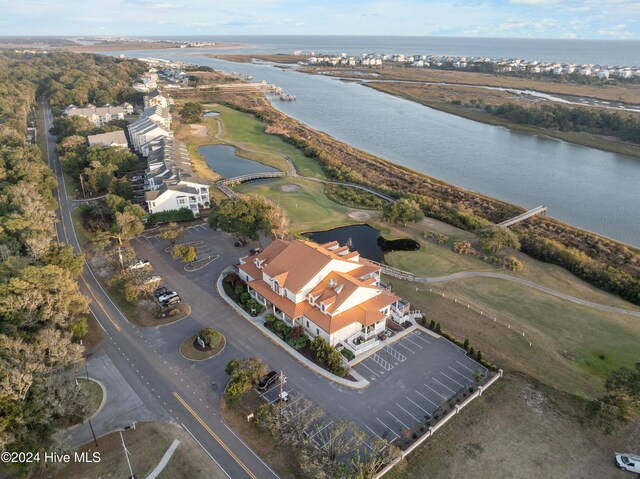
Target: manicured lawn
(567,339)
(308,209)
(147,443)
(189,351)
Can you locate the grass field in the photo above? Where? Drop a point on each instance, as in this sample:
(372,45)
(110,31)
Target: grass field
(573,346)
(147,443)
(518,429)
(308,209)
(247,134)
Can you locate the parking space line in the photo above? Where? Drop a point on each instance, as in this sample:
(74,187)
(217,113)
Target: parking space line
(425,397)
(397,419)
(469,369)
(445,386)
(321,429)
(413,342)
(419,336)
(382,362)
(400,357)
(370,369)
(389,429)
(399,343)
(443,397)
(460,374)
(374,433)
(451,379)
(418,406)
(408,412)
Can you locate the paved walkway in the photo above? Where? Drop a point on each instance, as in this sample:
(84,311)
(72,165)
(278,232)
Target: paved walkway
(530,284)
(165,459)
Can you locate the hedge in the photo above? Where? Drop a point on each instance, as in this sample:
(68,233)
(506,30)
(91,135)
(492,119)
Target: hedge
(183,214)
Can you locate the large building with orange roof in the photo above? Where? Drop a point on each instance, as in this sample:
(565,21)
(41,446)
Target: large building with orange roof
(327,289)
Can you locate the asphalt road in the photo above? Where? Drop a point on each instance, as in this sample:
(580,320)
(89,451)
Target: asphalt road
(168,389)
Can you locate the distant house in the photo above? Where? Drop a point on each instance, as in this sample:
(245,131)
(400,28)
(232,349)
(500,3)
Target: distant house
(97,116)
(116,139)
(327,289)
(156,99)
(127,108)
(32,135)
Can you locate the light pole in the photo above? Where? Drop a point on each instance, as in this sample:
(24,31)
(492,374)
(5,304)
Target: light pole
(127,454)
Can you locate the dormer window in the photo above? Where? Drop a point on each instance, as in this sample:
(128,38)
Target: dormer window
(276,287)
(322,308)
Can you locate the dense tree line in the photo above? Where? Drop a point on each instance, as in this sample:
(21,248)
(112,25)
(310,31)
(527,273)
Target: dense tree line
(600,121)
(64,78)
(42,312)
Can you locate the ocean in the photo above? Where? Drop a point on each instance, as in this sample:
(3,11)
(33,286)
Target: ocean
(604,52)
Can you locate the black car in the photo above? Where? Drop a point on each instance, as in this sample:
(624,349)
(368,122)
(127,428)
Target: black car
(268,380)
(161,291)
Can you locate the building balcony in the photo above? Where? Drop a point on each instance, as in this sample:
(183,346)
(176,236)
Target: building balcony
(358,344)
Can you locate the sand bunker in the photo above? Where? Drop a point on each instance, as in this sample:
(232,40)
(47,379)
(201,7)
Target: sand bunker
(289,188)
(199,130)
(359,215)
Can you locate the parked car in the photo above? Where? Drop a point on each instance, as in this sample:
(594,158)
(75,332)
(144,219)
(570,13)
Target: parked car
(255,251)
(160,291)
(167,296)
(628,462)
(141,263)
(172,301)
(241,243)
(284,396)
(136,178)
(268,380)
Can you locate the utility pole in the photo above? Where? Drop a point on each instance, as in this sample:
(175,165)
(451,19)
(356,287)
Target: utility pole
(120,256)
(127,454)
(84,195)
(95,440)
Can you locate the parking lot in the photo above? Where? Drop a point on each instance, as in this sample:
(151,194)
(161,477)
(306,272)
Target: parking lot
(418,373)
(409,378)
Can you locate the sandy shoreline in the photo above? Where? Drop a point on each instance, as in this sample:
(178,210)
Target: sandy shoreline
(125,46)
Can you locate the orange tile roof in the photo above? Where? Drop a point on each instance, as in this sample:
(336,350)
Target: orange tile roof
(251,269)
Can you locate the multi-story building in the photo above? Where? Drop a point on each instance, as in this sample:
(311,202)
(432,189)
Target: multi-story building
(327,289)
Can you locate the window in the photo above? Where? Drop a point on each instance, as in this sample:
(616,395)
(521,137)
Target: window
(317,331)
(307,323)
(276,287)
(181,201)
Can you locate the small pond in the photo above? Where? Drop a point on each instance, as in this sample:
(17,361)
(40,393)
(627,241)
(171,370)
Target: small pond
(223,160)
(211,113)
(364,239)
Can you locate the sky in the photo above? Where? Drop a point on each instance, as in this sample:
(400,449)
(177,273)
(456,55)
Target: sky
(602,19)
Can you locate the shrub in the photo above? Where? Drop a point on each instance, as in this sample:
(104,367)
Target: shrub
(347,353)
(270,317)
(472,351)
(183,214)
(479,355)
(210,336)
(297,343)
(465,345)
(437,328)
(297,331)
(79,328)
(463,247)
(432,325)
(244,297)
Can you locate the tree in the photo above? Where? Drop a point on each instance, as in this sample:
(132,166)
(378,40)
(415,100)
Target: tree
(402,211)
(621,402)
(244,373)
(191,112)
(495,237)
(128,223)
(173,232)
(247,215)
(64,257)
(185,253)
(210,336)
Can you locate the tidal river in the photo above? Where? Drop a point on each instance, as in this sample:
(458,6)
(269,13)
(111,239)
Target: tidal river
(588,188)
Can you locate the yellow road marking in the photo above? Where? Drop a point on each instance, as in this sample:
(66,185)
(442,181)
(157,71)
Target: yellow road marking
(100,304)
(213,434)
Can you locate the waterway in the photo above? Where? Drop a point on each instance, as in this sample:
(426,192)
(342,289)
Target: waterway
(223,160)
(589,188)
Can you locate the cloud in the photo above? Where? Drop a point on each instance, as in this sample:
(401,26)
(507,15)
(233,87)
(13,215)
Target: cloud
(617,31)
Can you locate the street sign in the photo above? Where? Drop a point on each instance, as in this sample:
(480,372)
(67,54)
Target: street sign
(200,342)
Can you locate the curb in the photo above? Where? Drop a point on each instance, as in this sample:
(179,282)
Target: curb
(205,359)
(172,322)
(361,383)
(102,404)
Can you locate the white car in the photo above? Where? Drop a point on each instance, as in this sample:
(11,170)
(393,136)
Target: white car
(141,263)
(628,462)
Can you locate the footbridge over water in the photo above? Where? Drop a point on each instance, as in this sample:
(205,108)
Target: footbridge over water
(528,214)
(223,184)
